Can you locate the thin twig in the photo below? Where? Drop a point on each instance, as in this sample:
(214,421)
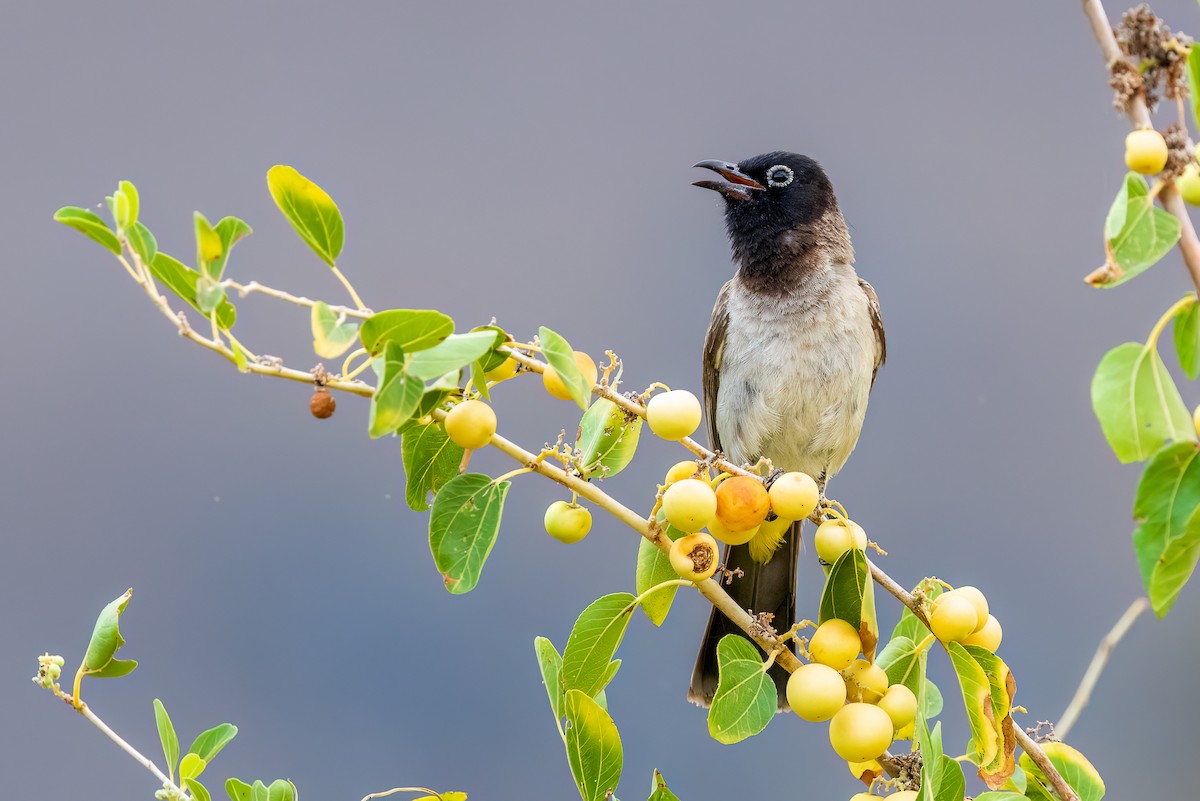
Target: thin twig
(1139,115)
(254,286)
(145,762)
(395,790)
(1092,675)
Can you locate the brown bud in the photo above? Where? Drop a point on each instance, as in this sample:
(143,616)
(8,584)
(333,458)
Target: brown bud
(322,404)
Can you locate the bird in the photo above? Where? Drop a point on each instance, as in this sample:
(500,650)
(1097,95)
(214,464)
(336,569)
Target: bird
(789,361)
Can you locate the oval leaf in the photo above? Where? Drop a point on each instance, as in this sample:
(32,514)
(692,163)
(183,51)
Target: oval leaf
(199,791)
(1165,542)
(1187,340)
(143,242)
(849,595)
(182,280)
(659,790)
(746,698)
(90,225)
(608,438)
(594,640)
(1137,403)
(1137,234)
(653,568)
(562,358)
(987,688)
(100,661)
(191,766)
(209,743)
(430,460)
(550,664)
(411,329)
(309,209)
(1073,766)
(463,526)
(451,354)
(331,337)
(167,736)
(396,397)
(593,747)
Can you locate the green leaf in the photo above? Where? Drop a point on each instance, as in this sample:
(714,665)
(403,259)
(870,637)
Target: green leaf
(1193,79)
(987,688)
(167,736)
(1137,403)
(746,698)
(561,357)
(608,437)
(331,336)
(1187,340)
(230,230)
(191,766)
(310,210)
(396,397)
(1165,541)
(849,595)
(463,526)
(1137,234)
(209,247)
(90,225)
(143,242)
(494,358)
(952,785)
(198,790)
(1000,795)
(209,294)
(238,790)
(594,640)
(653,568)
(430,460)
(100,661)
(1073,766)
(209,743)
(593,747)
(550,664)
(182,280)
(128,204)
(281,790)
(411,329)
(453,353)
(659,791)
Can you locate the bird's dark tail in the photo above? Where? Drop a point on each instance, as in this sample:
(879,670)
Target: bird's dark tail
(763,588)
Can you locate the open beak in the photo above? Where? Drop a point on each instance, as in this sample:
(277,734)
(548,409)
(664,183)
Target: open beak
(736,186)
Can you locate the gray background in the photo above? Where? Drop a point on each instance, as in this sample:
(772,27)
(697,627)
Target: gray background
(531,161)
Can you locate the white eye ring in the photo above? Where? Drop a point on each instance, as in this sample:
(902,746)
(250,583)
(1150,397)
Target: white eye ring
(776,180)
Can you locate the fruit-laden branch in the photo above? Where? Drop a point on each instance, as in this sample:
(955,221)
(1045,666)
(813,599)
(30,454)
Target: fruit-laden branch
(1139,115)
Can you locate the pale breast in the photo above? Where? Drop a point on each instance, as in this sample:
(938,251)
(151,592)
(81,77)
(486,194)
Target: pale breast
(796,372)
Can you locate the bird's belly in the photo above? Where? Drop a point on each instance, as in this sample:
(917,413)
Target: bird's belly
(798,394)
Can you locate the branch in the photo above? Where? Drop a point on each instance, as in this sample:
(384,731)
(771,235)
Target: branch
(1092,675)
(1139,115)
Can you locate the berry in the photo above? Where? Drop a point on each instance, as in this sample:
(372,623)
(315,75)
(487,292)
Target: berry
(860,732)
(567,522)
(322,404)
(689,504)
(988,636)
(555,386)
(865,681)
(681,470)
(1145,151)
(731,537)
(471,424)
(1188,184)
(953,618)
(673,415)
(835,643)
(742,503)
(900,704)
(971,594)
(903,795)
(834,537)
(816,692)
(503,371)
(794,495)
(1196,420)
(866,797)
(694,557)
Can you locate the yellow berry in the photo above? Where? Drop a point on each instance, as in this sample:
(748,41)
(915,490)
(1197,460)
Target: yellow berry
(695,556)
(673,415)
(567,522)
(471,424)
(903,795)
(742,503)
(815,692)
(689,504)
(835,643)
(731,537)
(1145,151)
(953,619)
(866,797)
(834,537)
(865,682)
(794,495)
(1188,184)
(988,637)
(972,594)
(1196,420)
(503,371)
(900,704)
(860,732)
(555,386)
(680,471)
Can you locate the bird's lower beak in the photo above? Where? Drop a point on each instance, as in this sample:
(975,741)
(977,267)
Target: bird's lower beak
(736,186)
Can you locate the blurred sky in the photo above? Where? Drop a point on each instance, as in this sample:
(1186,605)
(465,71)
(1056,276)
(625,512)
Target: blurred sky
(531,161)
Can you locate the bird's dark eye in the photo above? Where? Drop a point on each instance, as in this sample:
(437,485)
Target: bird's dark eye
(780,176)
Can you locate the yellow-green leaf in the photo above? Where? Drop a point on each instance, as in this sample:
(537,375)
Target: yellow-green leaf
(191,766)
(746,698)
(463,526)
(1073,766)
(561,356)
(608,438)
(183,280)
(1137,403)
(988,688)
(396,397)
(550,665)
(90,225)
(411,330)
(430,460)
(594,640)
(653,568)
(332,335)
(310,210)
(849,595)
(100,660)
(593,747)
(1137,233)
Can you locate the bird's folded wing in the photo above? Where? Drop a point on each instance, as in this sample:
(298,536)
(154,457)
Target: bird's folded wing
(876,326)
(714,349)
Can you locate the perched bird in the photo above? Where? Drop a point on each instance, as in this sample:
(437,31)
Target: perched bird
(789,360)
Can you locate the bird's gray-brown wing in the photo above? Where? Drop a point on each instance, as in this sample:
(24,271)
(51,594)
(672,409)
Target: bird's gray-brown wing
(876,326)
(714,350)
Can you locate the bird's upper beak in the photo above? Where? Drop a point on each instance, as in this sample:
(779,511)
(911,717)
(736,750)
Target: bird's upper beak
(736,186)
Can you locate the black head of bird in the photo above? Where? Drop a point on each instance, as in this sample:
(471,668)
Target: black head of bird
(769,196)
